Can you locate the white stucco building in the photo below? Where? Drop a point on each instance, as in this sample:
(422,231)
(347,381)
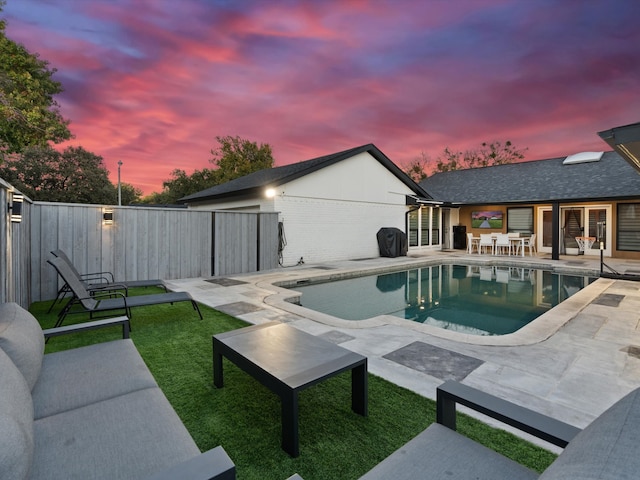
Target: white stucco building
(331,207)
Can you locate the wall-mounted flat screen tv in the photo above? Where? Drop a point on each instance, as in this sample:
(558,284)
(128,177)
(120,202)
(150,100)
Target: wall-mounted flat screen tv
(487,219)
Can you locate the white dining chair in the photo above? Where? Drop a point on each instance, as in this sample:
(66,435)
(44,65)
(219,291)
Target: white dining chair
(502,242)
(485,242)
(472,243)
(516,242)
(531,244)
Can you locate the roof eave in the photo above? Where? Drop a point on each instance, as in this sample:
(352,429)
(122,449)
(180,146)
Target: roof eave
(626,141)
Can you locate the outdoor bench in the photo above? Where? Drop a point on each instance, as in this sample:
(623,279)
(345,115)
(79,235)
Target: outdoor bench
(93,412)
(608,448)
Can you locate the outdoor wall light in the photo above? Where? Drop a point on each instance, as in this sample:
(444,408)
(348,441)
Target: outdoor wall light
(270,192)
(107,216)
(16,207)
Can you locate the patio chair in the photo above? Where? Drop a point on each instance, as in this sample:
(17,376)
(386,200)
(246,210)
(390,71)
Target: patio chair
(97,281)
(502,242)
(530,243)
(85,302)
(472,243)
(486,241)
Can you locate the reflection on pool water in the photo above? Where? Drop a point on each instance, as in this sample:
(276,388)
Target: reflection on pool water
(480,300)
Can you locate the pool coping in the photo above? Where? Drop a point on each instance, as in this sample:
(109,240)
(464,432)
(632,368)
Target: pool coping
(542,328)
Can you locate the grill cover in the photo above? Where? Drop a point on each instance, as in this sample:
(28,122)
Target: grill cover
(392,242)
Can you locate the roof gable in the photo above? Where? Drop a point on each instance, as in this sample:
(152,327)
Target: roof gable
(255,182)
(537,181)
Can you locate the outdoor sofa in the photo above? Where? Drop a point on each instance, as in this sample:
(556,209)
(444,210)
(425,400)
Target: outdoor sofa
(608,448)
(93,412)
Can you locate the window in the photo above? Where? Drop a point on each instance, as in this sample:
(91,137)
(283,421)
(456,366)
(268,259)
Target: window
(424,227)
(629,226)
(413,228)
(435,226)
(520,220)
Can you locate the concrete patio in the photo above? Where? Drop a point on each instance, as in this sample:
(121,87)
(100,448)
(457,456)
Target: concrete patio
(582,357)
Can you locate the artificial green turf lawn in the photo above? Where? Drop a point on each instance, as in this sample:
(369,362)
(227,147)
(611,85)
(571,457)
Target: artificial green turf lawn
(244,417)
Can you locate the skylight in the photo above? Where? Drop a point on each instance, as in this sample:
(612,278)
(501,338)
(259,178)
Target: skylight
(583,157)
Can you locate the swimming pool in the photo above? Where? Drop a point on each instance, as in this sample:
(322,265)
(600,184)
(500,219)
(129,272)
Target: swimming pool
(473,299)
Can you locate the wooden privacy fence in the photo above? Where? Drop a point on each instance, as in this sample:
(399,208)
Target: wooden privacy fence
(138,243)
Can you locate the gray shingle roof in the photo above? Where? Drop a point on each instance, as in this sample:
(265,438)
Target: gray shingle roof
(537,181)
(272,177)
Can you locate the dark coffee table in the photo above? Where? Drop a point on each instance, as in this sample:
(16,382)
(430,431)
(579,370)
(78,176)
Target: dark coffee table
(287,360)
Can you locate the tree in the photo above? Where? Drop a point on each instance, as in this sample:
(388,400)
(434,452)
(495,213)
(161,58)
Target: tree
(129,194)
(236,158)
(29,115)
(417,168)
(494,153)
(73,176)
(181,185)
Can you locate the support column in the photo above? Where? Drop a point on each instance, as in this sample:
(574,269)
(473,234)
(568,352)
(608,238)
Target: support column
(555,231)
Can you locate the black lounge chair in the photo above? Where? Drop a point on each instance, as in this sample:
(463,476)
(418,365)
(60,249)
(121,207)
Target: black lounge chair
(108,301)
(99,281)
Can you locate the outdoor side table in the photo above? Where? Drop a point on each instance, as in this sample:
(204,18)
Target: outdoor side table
(287,360)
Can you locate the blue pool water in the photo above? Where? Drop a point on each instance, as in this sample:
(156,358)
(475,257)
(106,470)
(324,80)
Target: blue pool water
(466,298)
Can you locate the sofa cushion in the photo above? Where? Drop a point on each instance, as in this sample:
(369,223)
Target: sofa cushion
(21,338)
(16,421)
(439,452)
(608,448)
(130,436)
(81,376)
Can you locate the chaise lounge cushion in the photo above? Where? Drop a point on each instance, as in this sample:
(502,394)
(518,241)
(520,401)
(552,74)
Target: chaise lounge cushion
(439,452)
(113,448)
(89,374)
(16,421)
(22,340)
(606,449)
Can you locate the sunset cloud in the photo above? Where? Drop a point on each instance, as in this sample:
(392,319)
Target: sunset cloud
(151,83)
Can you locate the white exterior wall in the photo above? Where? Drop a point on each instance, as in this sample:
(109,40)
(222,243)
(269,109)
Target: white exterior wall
(328,230)
(335,212)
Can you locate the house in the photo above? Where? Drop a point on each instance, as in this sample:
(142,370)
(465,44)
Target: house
(331,207)
(590,194)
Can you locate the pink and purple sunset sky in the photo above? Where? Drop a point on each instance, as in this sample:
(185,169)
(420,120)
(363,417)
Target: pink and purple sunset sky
(152,82)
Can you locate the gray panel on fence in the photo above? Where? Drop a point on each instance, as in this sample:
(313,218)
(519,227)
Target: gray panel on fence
(244,242)
(235,237)
(268,244)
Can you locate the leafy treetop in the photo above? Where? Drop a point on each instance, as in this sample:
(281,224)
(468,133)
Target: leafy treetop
(489,154)
(235,157)
(29,115)
(72,176)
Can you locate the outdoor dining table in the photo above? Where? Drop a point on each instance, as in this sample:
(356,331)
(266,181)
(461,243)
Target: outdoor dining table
(517,242)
